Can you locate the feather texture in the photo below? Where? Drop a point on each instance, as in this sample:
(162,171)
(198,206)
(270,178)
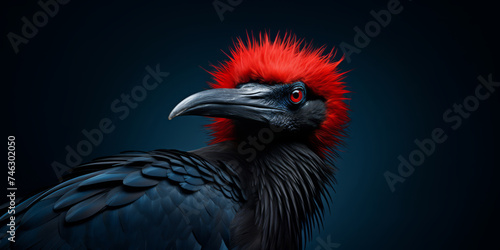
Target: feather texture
(286,60)
(131,201)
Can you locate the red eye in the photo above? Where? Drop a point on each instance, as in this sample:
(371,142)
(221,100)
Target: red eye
(297,96)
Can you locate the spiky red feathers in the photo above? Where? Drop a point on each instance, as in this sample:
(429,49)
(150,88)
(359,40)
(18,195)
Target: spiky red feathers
(285,61)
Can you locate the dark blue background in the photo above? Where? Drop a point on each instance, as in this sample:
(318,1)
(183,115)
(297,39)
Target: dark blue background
(426,59)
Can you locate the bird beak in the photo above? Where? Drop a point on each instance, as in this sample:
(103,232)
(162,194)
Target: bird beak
(249,102)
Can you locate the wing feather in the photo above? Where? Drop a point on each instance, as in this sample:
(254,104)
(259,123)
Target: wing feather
(160,199)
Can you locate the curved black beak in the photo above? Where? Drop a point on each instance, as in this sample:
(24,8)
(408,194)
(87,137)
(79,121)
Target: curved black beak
(249,102)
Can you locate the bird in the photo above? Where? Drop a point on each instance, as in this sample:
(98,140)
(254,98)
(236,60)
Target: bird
(279,112)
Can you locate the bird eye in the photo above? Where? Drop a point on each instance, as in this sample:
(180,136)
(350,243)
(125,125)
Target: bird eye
(296,96)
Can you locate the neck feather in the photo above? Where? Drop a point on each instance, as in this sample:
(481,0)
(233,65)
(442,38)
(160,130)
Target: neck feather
(286,184)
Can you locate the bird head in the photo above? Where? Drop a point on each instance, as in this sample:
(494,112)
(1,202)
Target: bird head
(281,83)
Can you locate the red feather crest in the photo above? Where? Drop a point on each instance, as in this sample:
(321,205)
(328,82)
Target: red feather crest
(284,61)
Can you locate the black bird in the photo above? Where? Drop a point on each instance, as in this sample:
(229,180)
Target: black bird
(279,114)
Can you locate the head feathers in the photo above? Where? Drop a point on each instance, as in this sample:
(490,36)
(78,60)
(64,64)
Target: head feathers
(283,61)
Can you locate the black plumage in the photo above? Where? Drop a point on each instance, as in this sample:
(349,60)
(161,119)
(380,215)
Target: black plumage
(233,194)
(169,193)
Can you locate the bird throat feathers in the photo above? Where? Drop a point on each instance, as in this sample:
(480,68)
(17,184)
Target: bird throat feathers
(288,186)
